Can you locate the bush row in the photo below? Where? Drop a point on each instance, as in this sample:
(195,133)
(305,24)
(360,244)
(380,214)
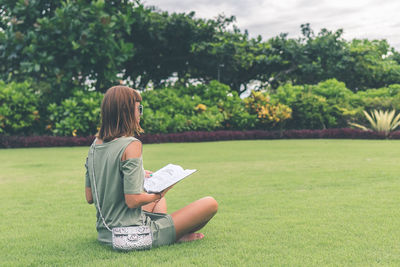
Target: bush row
(210,107)
(199,136)
(330,104)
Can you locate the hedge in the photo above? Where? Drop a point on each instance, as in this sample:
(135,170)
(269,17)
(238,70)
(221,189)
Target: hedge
(56,141)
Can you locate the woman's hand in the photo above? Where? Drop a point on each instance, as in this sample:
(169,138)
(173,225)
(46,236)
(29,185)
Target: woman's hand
(148,174)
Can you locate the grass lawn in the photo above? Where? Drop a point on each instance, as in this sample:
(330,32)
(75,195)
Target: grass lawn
(282,202)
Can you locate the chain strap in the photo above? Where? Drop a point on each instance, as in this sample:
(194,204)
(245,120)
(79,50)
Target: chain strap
(95,189)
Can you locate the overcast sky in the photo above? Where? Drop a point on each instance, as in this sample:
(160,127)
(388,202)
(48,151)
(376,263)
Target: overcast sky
(372,19)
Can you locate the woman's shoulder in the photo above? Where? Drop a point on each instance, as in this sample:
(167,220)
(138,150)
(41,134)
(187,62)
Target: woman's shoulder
(133,149)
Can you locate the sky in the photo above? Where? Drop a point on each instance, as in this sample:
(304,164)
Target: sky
(372,19)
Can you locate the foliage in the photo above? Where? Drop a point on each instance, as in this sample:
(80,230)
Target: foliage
(361,64)
(385,98)
(76,115)
(321,106)
(164,46)
(231,57)
(268,114)
(65,43)
(288,93)
(198,136)
(62,46)
(19,106)
(371,63)
(381,121)
(317,57)
(229,104)
(209,107)
(78,43)
(236,115)
(313,112)
(188,108)
(387,92)
(44,141)
(206,121)
(332,89)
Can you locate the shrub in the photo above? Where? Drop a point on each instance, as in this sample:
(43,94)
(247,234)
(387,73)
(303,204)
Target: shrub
(179,123)
(387,92)
(197,136)
(211,94)
(194,108)
(43,141)
(268,114)
(165,111)
(230,105)
(380,121)
(383,98)
(155,121)
(325,105)
(289,93)
(313,112)
(237,117)
(332,89)
(18,108)
(77,115)
(169,101)
(208,120)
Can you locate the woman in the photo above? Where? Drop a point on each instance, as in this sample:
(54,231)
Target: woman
(119,175)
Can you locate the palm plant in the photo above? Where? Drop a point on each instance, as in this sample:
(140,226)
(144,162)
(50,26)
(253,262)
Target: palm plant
(381,121)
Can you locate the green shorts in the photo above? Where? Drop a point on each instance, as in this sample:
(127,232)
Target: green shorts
(162,227)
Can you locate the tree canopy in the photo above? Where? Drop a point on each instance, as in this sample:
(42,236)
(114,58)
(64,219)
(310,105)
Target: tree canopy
(65,46)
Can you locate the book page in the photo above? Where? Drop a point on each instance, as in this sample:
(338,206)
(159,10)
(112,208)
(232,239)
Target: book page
(165,177)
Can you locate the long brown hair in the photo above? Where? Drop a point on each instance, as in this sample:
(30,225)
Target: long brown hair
(118,113)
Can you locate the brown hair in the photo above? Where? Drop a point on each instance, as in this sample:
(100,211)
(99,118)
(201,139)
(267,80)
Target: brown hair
(118,113)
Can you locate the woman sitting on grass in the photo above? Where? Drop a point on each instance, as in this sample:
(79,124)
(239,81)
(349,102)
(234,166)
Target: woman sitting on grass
(119,176)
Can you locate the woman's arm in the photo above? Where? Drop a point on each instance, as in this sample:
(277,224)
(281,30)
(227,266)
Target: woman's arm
(89,196)
(134,150)
(137,200)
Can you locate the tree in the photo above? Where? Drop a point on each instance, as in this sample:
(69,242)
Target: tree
(164,46)
(309,59)
(370,65)
(361,64)
(231,57)
(64,44)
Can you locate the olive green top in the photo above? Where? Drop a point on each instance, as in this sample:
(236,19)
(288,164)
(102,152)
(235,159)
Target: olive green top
(114,178)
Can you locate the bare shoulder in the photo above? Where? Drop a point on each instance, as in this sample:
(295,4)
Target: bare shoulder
(133,150)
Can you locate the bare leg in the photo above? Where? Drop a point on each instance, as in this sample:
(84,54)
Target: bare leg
(197,228)
(158,207)
(193,217)
(193,235)
(161,206)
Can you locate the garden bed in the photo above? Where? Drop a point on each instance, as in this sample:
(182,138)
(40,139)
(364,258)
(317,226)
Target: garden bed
(56,141)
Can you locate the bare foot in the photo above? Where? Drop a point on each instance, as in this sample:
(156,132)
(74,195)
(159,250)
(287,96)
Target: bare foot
(190,237)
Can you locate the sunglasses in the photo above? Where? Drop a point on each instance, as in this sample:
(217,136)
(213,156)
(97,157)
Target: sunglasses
(141,110)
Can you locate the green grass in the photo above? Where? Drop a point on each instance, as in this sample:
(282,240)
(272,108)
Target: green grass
(284,202)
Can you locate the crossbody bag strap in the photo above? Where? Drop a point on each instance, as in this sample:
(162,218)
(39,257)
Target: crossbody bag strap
(95,187)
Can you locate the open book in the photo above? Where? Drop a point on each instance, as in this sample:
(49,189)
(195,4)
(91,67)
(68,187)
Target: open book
(165,177)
